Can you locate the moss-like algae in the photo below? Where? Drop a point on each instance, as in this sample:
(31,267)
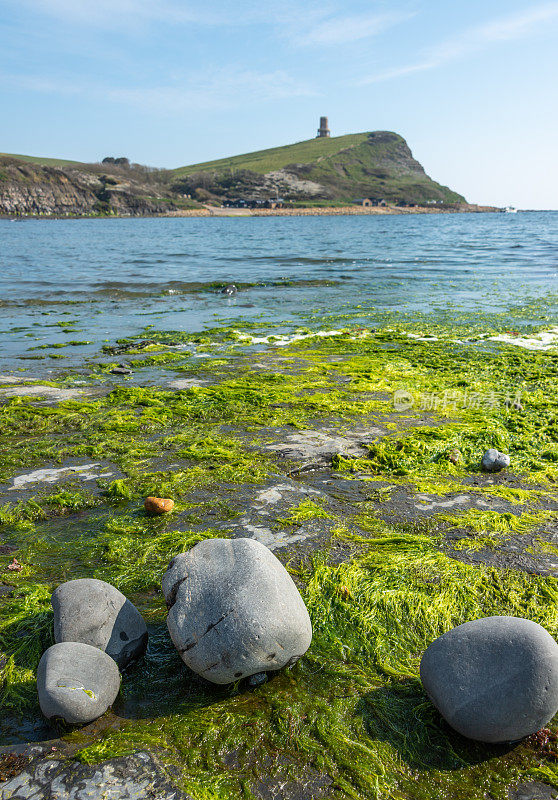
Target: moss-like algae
(353,708)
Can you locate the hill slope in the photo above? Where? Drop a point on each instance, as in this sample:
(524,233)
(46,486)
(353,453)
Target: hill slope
(45,162)
(263,161)
(377,165)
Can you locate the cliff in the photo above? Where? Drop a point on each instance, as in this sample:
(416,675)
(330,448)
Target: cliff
(35,188)
(377,165)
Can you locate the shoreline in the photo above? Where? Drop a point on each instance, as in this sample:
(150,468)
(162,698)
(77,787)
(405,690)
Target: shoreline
(339,211)
(211,211)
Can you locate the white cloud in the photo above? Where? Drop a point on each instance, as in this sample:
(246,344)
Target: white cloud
(131,14)
(513,27)
(342,30)
(224,88)
(302,23)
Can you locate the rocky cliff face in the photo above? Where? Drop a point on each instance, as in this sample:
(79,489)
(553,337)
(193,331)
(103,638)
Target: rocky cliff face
(36,189)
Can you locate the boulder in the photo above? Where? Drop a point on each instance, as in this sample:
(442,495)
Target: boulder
(95,613)
(494,679)
(493,461)
(234,610)
(76,682)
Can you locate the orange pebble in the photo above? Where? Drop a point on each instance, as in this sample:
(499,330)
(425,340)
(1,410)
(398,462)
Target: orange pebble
(158,505)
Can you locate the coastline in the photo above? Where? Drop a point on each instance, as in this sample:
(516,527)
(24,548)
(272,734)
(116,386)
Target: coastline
(215,211)
(340,211)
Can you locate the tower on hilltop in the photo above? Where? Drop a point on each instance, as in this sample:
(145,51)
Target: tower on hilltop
(323,130)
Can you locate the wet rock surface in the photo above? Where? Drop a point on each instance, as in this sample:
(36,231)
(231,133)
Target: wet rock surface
(532,790)
(94,612)
(135,777)
(234,610)
(493,679)
(76,682)
(316,448)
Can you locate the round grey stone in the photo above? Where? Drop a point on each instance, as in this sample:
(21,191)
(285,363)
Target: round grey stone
(76,682)
(94,612)
(234,610)
(494,679)
(493,461)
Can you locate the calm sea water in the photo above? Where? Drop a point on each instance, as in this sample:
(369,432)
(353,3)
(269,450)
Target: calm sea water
(107,278)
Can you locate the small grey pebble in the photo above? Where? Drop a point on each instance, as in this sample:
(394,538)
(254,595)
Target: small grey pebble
(493,461)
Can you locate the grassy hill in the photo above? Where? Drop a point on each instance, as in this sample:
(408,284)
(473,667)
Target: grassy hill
(378,165)
(263,161)
(45,162)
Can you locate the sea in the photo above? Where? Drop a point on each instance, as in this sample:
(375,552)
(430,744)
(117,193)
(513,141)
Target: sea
(71,286)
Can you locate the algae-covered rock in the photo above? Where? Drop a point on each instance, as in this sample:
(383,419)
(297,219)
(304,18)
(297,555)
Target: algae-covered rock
(94,612)
(234,610)
(493,679)
(76,682)
(493,461)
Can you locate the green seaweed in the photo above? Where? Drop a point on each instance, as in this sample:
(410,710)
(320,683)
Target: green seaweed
(353,708)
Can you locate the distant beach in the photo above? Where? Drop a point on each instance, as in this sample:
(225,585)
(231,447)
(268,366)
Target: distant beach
(327,211)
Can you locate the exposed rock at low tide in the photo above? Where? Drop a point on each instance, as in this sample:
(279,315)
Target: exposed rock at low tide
(493,679)
(94,612)
(76,682)
(493,461)
(134,777)
(234,610)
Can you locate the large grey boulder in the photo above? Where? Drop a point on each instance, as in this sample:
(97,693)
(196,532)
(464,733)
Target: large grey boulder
(76,682)
(493,461)
(234,610)
(494,679)
(95,613)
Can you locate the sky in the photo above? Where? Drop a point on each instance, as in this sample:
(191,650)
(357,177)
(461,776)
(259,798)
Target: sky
(472,85)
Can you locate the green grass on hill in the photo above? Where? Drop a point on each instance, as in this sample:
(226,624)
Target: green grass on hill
(263,161)
(47,162)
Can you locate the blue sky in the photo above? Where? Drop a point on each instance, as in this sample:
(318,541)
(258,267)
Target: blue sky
(471,85)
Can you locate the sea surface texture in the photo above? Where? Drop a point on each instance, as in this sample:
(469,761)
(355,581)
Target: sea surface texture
(110,278)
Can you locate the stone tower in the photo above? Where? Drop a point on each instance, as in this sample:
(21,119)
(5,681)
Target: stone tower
(323,130)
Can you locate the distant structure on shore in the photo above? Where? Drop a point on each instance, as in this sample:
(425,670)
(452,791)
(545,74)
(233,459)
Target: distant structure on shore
(323,130)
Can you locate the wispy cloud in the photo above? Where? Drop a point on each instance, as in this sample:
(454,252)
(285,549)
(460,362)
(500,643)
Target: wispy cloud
(220,89)
(338,30)
(503,29)
(225,88)
(301,22)
(119,14)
